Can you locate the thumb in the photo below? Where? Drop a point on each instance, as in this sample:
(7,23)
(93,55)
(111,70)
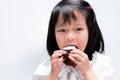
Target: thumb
(60,61)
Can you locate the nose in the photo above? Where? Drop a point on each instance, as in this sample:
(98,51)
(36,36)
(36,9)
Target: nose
(70,36)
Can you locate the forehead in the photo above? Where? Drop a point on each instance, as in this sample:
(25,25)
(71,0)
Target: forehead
(75,16)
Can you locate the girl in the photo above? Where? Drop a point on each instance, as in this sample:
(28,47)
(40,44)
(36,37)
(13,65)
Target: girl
(73,24)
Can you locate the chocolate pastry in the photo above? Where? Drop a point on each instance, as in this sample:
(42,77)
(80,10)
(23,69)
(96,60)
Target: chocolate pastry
(68,49)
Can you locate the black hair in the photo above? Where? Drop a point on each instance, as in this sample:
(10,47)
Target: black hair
(67,8)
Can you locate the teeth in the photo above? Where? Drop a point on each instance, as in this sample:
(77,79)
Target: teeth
(69,48)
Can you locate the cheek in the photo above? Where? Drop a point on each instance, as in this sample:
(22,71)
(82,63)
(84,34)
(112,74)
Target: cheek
(83,41)
(60,41)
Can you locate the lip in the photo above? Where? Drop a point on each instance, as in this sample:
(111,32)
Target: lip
(72,45)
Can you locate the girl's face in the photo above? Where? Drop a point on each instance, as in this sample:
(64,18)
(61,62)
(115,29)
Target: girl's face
(73,34)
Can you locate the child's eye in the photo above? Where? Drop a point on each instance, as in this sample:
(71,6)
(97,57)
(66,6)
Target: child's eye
(61,30)
(78,29)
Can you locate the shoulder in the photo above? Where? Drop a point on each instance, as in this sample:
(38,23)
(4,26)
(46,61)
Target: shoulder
(102,66)
(100,58)
(42,70)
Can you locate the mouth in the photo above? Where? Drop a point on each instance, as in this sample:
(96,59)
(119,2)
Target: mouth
(68,49)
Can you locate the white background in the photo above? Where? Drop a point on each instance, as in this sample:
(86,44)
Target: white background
(23,31)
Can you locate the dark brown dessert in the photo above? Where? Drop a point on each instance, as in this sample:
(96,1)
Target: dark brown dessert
(68,50)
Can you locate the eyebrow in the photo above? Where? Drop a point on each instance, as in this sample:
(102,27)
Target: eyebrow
(61,25)
(76,23)
(79,23)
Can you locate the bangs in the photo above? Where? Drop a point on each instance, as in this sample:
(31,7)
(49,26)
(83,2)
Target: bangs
(68,13)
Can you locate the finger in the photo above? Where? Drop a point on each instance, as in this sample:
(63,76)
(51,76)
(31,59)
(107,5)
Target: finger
(74,60)
(54,61)
(79,52)
(56,54)
(57,61)
(59,51)
(77,57)
(61,60)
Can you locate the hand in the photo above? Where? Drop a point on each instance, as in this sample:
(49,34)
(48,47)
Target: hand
(56,63)
(81,60)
